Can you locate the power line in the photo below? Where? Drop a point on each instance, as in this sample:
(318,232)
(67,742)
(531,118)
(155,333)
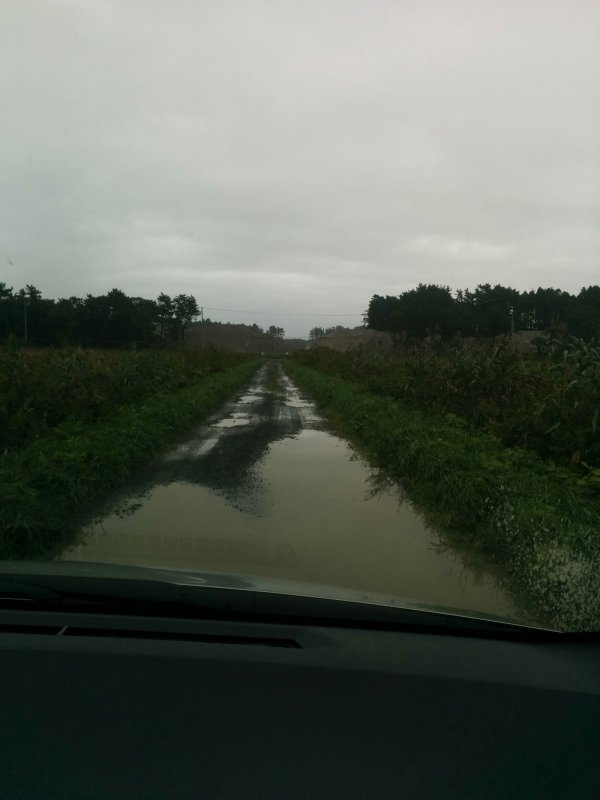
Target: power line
(280,313)
(262,337)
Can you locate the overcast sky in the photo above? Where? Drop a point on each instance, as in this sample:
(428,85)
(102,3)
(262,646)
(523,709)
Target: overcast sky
(298,156)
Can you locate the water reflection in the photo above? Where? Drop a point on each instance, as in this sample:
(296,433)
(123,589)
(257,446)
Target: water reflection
(474,566)
(282,497)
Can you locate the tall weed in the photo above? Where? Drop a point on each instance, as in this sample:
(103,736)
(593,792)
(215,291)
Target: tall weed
(548,403)
(42,389)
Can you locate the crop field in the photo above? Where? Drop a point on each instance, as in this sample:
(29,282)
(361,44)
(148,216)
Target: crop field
(40,389)
(74,423)
(549,403)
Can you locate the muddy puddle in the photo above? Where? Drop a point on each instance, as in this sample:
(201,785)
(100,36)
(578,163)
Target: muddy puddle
(265,488)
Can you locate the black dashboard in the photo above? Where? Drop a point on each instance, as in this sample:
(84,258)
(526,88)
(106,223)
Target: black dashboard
(117,706)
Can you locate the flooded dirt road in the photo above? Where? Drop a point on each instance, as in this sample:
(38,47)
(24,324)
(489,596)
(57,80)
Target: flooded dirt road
(265,488)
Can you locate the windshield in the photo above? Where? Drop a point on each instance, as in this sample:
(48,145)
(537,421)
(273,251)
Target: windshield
(306,293)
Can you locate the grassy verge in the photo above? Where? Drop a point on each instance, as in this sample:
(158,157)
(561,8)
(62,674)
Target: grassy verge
(46,485)
(529,515)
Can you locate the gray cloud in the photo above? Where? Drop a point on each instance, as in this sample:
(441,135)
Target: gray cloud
(283,157)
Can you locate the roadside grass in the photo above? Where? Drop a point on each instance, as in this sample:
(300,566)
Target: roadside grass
(533,518)
(49,483)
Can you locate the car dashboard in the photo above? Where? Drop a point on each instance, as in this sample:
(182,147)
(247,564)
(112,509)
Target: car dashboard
(139,706)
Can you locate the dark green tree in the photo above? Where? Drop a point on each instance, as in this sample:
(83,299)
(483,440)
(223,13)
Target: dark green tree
(583,318)
(428,310)
(185,311)
(494,307)
(165,312)
(381,311)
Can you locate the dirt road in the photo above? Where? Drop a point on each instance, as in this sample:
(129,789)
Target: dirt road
(265,488)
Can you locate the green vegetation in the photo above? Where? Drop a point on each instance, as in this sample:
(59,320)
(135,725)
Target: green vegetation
(110,320)
(486,312)
(537,519)
(39,389)
(549,404)
(76,423)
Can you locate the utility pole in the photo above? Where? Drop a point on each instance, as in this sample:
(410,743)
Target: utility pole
(512,330)
(202,327)
(25,318)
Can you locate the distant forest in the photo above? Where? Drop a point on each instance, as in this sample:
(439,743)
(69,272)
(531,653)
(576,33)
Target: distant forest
(109,320)
(487,311)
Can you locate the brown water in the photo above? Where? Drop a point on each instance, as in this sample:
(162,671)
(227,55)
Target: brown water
(265,488)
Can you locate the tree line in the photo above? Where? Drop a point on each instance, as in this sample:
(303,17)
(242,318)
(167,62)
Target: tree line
(109,320)
(487,311)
